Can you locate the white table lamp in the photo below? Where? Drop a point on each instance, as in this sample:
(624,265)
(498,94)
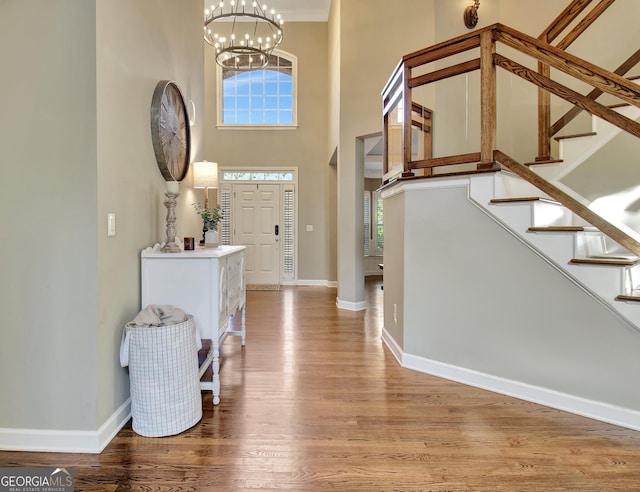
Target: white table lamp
(205,176)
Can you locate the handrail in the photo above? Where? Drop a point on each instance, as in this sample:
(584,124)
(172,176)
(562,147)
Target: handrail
(569,202)
(402,82)
(564,120)
(566,17)
(627,124)
(572,65)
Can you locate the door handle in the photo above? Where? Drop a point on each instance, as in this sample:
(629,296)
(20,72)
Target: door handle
(277,230)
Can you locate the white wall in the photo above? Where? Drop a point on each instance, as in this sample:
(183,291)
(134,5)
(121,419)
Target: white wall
(48,297)
(160,40)
(477,299)
(374,35)
(303,147)
(77,134)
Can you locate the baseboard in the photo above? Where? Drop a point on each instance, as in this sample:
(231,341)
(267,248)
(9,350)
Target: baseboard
(604,412)
(112,426)
(392,345)
(66,441)
(312,283)
(351,306)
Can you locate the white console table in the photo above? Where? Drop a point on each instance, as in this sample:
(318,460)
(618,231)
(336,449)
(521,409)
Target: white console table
(206,283)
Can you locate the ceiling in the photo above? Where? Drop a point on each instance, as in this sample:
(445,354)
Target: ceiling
(294,10)
(301,10)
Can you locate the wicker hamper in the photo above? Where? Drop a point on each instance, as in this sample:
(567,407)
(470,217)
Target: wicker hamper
(163,372)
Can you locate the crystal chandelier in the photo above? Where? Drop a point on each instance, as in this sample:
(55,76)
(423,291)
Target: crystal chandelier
(243,36)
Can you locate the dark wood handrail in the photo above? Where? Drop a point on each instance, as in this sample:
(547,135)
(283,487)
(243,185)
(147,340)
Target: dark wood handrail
(486,40)
(622,70)
(583,102)
(568,201)
(572,65)
(584,24)
(566,17)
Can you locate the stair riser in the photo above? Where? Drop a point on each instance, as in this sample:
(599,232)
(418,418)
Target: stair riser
(604,279)
(605,282)
(575,151)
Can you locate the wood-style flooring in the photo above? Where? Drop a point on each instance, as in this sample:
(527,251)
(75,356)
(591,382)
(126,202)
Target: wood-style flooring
(316,402)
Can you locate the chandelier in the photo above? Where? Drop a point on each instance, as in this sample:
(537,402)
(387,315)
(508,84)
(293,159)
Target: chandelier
(243,36)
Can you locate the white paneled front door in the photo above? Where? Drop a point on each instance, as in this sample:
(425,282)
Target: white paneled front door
(257,226)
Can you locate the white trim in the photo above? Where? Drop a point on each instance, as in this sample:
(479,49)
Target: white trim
(596,410)
(66,441)
(425,184)
(306,15)
(113,424)
(392,345)
(311,283)
(257,127)
(284,186)
(351,306)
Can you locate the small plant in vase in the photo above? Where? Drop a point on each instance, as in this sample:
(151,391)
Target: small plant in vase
(210,219)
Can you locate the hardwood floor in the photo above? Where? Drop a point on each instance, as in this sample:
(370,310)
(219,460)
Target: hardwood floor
(316,402)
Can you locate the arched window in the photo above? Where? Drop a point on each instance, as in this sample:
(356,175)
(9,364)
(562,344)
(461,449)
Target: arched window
(262,97)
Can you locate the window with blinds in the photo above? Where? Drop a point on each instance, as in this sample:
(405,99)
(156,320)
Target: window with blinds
(379,223)
(373,218)
(288,255)
(367,223)
(225,223)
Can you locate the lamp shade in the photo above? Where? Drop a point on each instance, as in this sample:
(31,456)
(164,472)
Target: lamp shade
(205,174)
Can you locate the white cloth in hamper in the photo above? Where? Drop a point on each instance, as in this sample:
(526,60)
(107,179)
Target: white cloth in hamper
(164,377)
(159,315)
(154,315)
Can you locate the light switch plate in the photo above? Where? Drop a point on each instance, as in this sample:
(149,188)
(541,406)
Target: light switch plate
(111,224)
(309,228)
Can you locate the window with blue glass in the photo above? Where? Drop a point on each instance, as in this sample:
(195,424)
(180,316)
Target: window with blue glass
(264,96)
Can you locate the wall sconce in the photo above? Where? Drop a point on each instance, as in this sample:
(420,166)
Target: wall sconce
(471,15)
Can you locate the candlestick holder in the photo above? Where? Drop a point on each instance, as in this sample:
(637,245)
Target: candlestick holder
(171,246)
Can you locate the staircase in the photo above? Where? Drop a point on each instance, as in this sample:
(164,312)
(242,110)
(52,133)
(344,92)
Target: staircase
(605,269)
(564,336)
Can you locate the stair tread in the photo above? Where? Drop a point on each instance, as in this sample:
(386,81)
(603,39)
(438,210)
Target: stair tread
(566,228)
(613,260)
(523,199)
(546,161)
(634,297)
(575,135)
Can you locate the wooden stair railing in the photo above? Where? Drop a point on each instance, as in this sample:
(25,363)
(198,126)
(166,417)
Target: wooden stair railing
(569,202)
(557,26)
(622,70)
(402,82)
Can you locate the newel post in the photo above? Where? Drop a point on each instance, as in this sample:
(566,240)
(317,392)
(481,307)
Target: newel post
(544,117)
(488,112)
(406,121)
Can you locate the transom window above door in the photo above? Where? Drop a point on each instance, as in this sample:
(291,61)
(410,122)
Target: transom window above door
(265,97)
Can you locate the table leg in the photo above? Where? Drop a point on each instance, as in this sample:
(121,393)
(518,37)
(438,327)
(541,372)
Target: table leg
(215,366)
(243,324)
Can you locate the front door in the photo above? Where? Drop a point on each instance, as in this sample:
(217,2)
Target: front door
(256,225)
